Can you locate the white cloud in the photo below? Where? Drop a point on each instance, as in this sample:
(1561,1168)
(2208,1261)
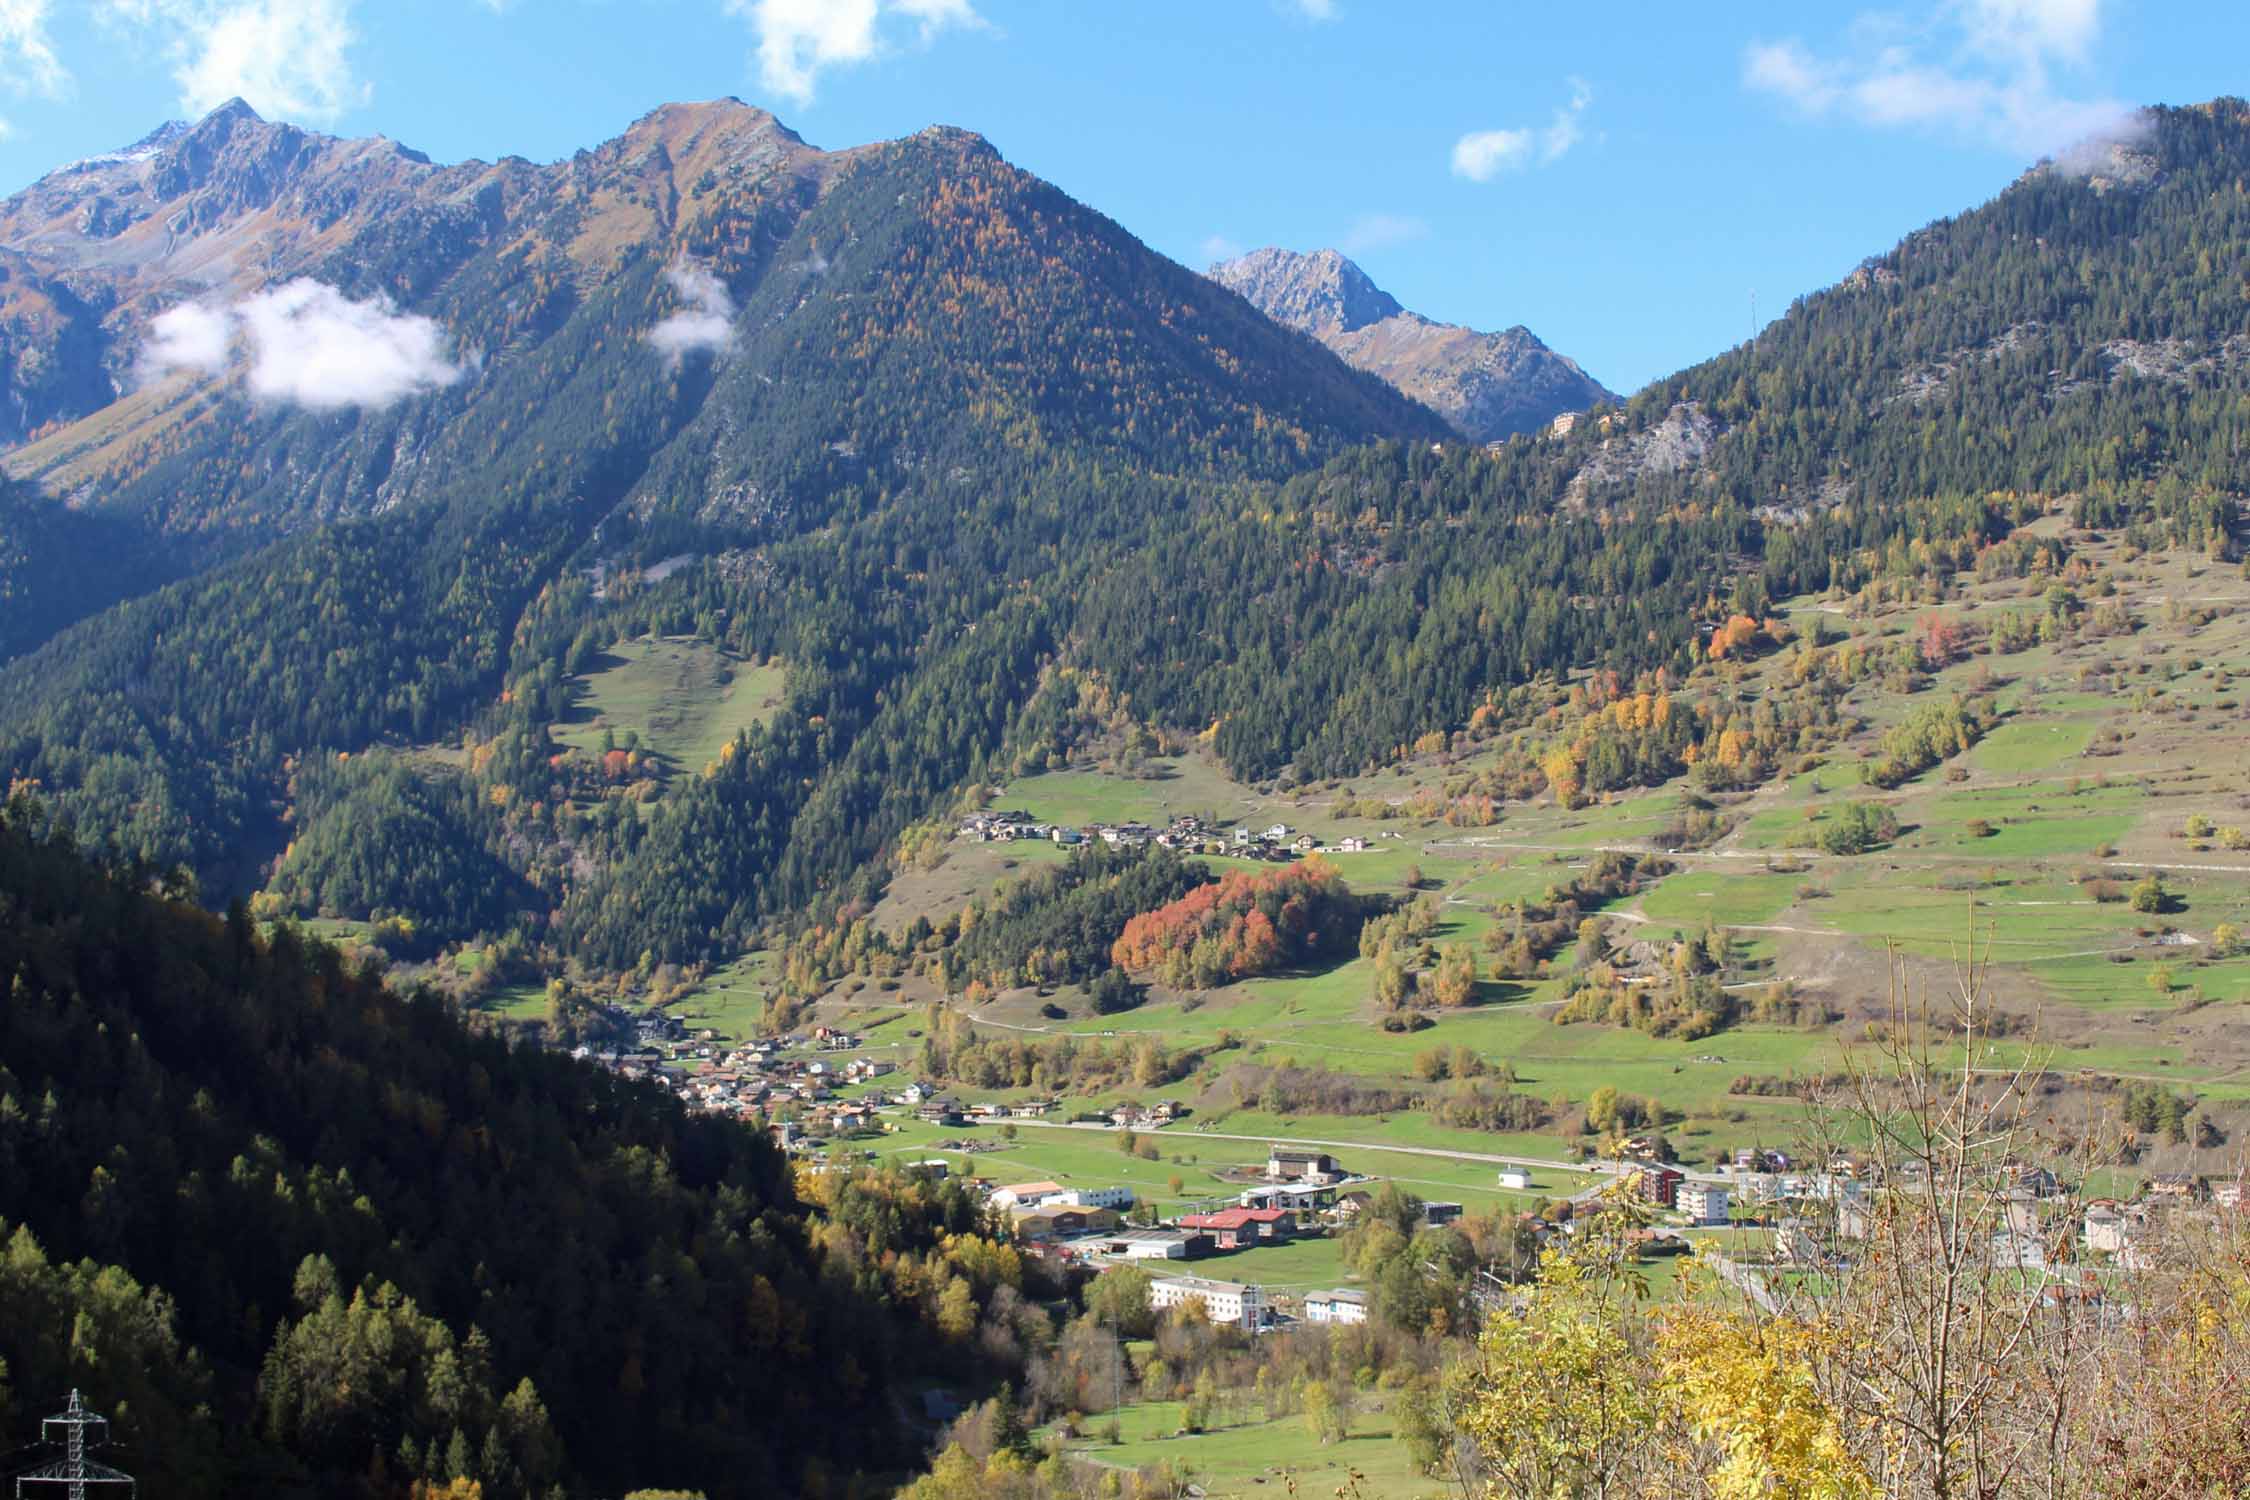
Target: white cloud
(1981,69)
(1218,247)
(798,39)
(313,346)
(192,336)
(288,58)
(1564,132)
(307,344)
(1381,232)
(705,323)
(28,64)
(1482,155)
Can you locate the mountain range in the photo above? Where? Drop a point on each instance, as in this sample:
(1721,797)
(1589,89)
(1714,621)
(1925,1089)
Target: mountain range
(339,478)
(235,329)
(1490,386)
(392,451)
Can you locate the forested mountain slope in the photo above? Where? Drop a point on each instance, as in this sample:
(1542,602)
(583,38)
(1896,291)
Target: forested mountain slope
(315,1237)
(501,323)
(992,480)
(702,335)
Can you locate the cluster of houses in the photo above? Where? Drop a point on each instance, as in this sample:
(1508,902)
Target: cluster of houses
(1187,833)
(1303,1192)
(765,1079)
(1816,1216)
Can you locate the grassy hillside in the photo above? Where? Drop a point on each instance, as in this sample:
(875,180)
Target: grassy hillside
(679,700)
(2106,757)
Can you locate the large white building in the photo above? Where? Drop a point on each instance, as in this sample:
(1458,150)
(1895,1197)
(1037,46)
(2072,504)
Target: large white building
(1105,1197)
(1336,1307)
(1703,1202)
(1224,1302)
(1028,1195)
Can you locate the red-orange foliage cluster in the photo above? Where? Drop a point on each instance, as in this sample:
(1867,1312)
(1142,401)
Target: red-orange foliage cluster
(1731,639)
(1250,922)
(1942,640)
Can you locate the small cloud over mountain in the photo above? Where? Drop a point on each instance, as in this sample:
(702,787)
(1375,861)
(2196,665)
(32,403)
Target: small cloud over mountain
(308,345)
(798,40)
(289,59)
(1987,70)
(704,325)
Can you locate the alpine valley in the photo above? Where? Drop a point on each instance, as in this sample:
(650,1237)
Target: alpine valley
(750,600)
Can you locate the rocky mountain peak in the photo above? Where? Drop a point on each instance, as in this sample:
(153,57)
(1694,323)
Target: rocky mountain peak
(1488,385)
(1321,293)
(234,151)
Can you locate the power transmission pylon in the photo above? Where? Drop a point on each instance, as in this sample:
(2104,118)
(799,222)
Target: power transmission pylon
(75,1471)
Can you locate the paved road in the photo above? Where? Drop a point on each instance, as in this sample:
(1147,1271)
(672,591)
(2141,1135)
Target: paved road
(1489,1158)
(1604,1170)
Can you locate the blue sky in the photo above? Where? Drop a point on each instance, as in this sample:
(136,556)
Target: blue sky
(1620,178)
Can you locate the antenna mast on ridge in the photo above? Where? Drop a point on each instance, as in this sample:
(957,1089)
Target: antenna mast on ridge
(75,1471)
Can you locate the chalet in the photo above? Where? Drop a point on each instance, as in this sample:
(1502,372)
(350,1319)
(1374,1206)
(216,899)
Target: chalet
(1241,1228)
(2109,1228)
(943,1110)
(1335,1307)
(1352,845)
(2175,1187)
(1228,1303)
(1289,1164)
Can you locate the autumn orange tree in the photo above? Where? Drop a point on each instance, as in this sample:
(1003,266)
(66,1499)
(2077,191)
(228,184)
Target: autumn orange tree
(1247,923)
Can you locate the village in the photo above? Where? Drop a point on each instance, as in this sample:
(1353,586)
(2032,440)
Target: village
(1186,834)
(1761,1216)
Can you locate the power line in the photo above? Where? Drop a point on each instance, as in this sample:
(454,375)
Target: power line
(74,1471)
